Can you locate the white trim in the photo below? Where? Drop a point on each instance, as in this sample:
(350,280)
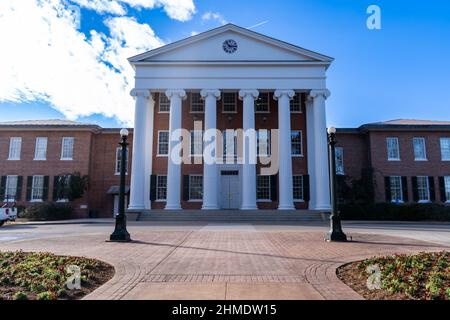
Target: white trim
(158,143)
(156,188)
(11,139)
(235,103)
(302,186)
(301,155)
(192,155)
(440,146)
(38,139)
(301,104)
(189,188)
(270,189)
(268,102)
(398,149)
(190,103)
(401,189)
(62,148)
(33,188)
(424,150)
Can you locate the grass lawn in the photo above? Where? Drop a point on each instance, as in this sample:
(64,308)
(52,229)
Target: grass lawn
(425,276)
(43,276)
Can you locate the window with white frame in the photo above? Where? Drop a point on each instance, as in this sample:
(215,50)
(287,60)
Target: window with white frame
(37,188)
(229,102)
(296,103)
(297,184)
(263,188)
(63,186)
(164,103)
(40,152)
(230,144)
(263,136)
(161,188)
(296,143)
(262,103)
(393,149)
(67,148)
(119,160)
(447,188)
(15,147)
(340,161)
(195,188)
(445,149)
(396,189)
(420,152)
(163,143)
(197,103)
(11,188)
(197,143)
(423,189)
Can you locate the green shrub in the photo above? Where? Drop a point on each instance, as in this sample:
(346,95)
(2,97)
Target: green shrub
(47,211)
(20,296)
(47,295)
(394,212)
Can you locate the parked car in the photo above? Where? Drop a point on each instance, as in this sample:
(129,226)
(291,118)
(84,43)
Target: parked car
(7,213)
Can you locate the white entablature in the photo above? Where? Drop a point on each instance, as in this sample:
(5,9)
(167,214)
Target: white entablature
(258,61)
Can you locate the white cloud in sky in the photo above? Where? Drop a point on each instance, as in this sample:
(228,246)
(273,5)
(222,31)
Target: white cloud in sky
(214,16)
(45,57)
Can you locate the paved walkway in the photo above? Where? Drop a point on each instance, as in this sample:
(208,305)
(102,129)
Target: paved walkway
(214,261)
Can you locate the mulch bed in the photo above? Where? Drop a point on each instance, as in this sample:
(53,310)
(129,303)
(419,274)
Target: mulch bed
(425,276)
(44,276)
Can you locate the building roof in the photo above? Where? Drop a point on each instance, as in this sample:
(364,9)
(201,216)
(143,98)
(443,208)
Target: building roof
(407,124)
(46,124)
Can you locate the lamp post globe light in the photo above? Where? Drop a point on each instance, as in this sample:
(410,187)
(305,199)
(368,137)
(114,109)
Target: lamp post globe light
(120,233)
(335,233)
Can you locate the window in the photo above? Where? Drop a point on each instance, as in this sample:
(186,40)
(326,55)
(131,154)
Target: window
(262,103)
(11,188)
(298,188)
(263,136)
(296,143)
(62,185)
(396,189)
(197,143)
(164,103)
(447,188)
(195,188)
(340,160)
(161,188)
(37,188)
(263,188)
(393,149)
(296,103)
(67,148)
(15,146)
(119,160)
(229,102)
(420,153)
(197,103)
(163,143)
(230,144)
(40,152)
(423,189)
(445,149)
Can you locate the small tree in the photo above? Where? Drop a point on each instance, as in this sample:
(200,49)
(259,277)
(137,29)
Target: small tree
(71,186)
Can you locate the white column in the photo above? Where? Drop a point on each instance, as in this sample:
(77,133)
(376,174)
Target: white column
(149,151)
(286,197)
(174,168)
(210,172)
(248,168)
(137,189)
(322,178)
(311,152)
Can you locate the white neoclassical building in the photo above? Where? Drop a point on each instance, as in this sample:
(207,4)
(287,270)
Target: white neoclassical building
(230,79)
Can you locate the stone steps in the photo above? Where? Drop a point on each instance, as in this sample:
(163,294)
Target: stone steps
(234,216)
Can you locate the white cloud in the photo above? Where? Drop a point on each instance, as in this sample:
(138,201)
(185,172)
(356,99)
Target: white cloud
(181,10)
(44,57)
(208,16)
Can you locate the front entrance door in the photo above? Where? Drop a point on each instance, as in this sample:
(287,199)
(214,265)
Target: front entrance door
(230,190)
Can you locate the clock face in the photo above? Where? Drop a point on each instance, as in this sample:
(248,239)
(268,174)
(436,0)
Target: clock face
(230,46)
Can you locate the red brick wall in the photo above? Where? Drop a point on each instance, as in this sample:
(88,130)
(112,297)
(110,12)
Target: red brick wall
(51,167)
(356,151)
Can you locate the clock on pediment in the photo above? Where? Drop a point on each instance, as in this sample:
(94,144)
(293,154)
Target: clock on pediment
(230,46)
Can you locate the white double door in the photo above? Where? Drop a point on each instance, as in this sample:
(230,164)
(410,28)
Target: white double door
(230,190)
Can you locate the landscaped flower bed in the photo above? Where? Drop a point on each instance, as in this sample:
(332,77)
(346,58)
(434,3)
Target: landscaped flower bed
(425,276)
(44,276)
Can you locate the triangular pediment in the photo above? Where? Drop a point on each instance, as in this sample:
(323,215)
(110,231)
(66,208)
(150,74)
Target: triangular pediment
(251,47)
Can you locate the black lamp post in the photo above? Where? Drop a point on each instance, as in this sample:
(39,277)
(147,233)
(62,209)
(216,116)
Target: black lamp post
(120,233)
(335,233)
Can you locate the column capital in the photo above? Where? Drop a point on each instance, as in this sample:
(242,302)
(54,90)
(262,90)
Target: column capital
(210,92)
(140,93)
(280,93)
(176,93)
(248,92)
(325,93)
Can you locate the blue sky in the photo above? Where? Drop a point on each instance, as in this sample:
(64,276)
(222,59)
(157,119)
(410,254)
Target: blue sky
(401,71)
